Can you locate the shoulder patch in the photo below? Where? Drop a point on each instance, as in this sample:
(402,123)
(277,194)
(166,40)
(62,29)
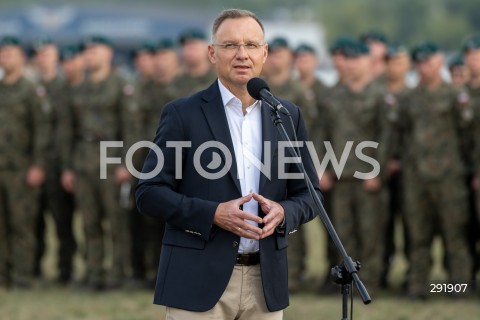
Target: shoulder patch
(390,99)
(128,90)
(41,91)
(463,97)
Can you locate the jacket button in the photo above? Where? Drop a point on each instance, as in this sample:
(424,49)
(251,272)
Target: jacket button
(235,244)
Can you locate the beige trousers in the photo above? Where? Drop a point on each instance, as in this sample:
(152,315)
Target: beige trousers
(243,299)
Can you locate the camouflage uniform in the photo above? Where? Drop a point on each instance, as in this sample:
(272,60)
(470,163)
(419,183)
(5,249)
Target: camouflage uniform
(24,129)
(147,232)
(53,196)
(292,91)
(104,111)
(474,225)
(359,215)
(434,181)
(390,116)
(317,95)
(297,247)
(185,85)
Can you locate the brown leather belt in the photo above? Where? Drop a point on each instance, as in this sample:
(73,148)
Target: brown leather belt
(248,259)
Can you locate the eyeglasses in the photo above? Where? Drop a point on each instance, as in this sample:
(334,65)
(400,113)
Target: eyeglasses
(233,47)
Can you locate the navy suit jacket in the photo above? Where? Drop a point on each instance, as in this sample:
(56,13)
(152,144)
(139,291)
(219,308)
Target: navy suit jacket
(198,257)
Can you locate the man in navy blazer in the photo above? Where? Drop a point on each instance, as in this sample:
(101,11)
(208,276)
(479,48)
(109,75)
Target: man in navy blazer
(224,250)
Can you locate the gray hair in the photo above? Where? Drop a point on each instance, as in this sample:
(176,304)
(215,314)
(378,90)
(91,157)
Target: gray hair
(233,14)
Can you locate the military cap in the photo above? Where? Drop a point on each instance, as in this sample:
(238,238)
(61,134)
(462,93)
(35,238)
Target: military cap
(10,41)
(355,49)
(472,43)
(278,43)
(98,39)
(339,45)
(191,34)
(42,42)
(146,47)
(165,44)
(394,50)
(305,48)
(456,60)
(70,51)
(424,50)
(374,36)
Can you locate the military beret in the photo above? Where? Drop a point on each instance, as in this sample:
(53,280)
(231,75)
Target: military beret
(394,50)
(165,44)
(472,43)
(374,36)
(305,48)
(42,42)
(191,34)
(278,43)
(98,39)
(146,47)
(70,51)
(355,49)
(339,45)
(10,41)
(424,50)
(456,60)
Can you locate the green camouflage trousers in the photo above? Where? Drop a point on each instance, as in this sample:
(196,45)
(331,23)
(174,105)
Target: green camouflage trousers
(359,218)
(103,219)
(431,206)
(17,224)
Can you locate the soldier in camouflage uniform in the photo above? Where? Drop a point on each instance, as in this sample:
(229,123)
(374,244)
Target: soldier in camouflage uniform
(105,111)
(147,232)
(282,84)
(352,112)
(378,45)
(306,63)
(25,132)
(471,50)
(198,73)
(431,117)
(397,65)
(53,197)
(459,72)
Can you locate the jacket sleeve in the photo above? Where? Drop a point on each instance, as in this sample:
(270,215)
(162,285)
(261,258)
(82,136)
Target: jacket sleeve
(158,196)
(299,206)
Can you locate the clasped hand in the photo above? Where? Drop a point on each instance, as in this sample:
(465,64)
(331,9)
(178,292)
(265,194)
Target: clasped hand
(231,217)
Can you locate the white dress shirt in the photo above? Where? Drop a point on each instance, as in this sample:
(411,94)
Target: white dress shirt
(246,133)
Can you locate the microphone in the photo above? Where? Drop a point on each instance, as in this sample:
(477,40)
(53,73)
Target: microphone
(259,90)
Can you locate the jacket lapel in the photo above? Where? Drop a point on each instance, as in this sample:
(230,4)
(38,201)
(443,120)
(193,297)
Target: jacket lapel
(269,133)
(212,106)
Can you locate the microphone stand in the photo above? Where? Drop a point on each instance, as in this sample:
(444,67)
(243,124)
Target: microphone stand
(347,273)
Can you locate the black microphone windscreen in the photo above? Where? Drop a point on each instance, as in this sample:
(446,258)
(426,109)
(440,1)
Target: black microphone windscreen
(255,85)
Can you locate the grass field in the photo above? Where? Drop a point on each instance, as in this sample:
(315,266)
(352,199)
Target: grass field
(48,302)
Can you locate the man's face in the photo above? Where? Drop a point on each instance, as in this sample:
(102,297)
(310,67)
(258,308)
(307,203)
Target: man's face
(144,63)
(166,62)
(340,63)
(280,59)
(398,66)
(358,67)
(236,67)
(47,57)
(73,66)
(429,69)
(306,63)
(11,58)
(194,52)
(460,75)
(472,61)
(97,56)
(377,49)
